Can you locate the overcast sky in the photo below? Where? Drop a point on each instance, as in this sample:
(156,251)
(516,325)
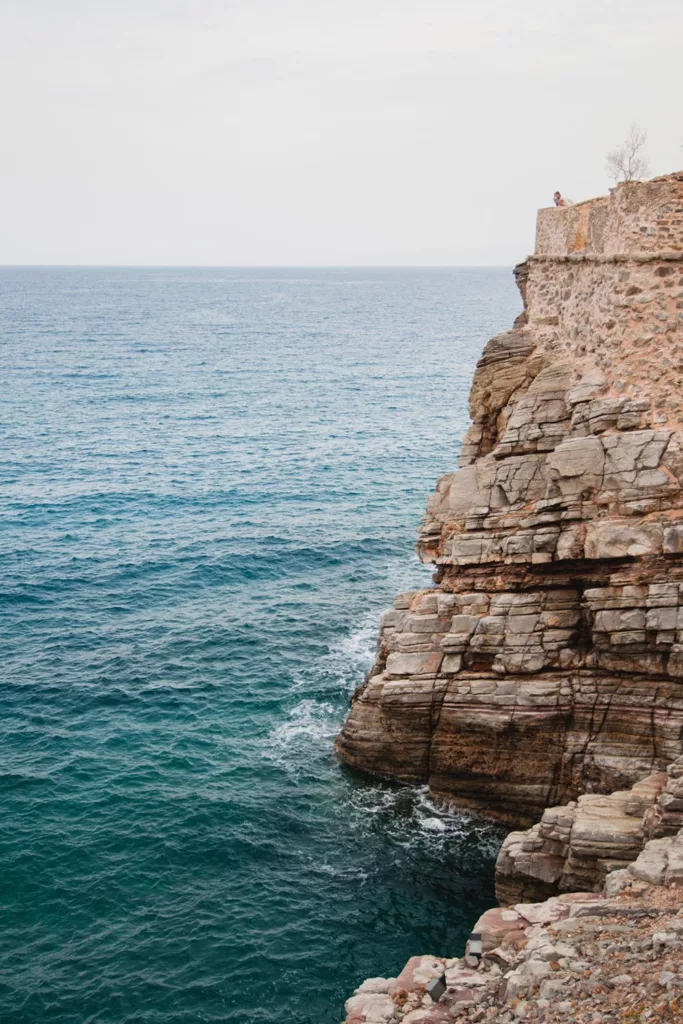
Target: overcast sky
(303,132)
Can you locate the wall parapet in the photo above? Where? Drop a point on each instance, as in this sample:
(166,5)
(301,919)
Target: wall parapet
(636,218)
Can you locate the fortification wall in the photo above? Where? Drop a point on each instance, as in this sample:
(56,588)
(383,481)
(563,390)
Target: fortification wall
(637,217)
(604,286)
(623,315)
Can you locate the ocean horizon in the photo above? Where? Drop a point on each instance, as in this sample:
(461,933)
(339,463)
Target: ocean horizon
(254,266)
(212,480)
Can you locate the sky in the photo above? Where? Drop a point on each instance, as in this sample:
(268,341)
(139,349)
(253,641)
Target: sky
(319,132)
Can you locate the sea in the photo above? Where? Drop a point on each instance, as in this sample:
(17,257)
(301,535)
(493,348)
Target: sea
(211,483)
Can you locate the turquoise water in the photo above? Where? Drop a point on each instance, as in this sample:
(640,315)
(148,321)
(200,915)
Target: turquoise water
(211,484)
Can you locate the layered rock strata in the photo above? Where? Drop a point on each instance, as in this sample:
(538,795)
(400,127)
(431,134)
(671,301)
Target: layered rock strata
(575,846)
(547,662)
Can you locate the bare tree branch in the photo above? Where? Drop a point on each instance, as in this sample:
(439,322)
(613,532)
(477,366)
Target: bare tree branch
(628,163)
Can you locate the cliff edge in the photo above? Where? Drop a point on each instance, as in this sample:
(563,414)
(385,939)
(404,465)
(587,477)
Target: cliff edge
(542,676)
(547,662)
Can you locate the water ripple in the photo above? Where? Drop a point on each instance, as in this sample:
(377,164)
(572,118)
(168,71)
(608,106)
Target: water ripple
(212,481)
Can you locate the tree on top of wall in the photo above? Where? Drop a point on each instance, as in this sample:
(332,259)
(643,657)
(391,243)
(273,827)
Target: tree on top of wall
(628,163)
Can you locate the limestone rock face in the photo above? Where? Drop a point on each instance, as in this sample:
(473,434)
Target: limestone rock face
(547,662)
(585,842)
(577,845)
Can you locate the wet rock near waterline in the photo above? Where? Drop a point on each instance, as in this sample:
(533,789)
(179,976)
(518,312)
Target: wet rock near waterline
(581,957)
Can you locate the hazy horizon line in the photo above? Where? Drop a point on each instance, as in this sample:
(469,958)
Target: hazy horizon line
(255,266)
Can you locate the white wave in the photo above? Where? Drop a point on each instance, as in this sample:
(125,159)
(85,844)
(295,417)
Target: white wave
(359,645)
(351,872)
(306,735)
(435,824)
(410,818)
(308,720)
(343,667)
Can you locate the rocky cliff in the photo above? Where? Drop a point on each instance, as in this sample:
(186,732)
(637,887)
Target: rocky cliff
(542,676)
(547,662)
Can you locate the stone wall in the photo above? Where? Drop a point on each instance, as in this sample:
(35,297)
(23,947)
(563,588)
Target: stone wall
(547,661)
(638,217)
(622,315)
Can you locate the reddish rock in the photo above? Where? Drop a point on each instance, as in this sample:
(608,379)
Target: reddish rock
(498,926)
